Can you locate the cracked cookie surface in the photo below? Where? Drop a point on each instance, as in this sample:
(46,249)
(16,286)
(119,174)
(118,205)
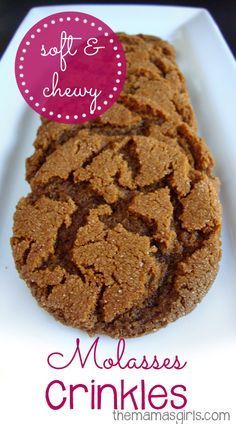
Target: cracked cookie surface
(120,233)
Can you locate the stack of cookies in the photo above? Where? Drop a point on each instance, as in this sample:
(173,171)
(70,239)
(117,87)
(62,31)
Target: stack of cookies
(120,233)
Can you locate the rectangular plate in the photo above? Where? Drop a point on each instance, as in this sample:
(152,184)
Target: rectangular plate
(202,337)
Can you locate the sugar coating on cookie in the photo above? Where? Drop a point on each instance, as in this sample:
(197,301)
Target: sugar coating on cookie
(120,233)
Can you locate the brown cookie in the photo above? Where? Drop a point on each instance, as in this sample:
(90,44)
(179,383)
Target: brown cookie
(121,231)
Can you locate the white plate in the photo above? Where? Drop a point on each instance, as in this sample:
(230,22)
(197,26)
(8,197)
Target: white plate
(206,337)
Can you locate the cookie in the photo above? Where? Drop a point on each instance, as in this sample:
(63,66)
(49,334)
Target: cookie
(120,233)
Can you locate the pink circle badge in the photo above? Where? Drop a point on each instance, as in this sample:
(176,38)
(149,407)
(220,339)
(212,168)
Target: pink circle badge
(70,67)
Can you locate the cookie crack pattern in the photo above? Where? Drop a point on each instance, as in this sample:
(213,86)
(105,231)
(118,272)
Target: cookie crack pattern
(46,142)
